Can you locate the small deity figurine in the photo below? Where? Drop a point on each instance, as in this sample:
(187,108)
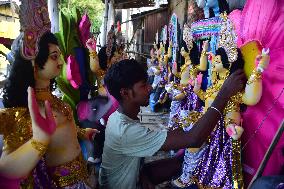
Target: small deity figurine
(152,65)
(183,98)
(163,62)
(96,66)
(190,108)
(159,96)
(96,111)
(220,166)
(222,157)
(119,53)
(112,53)
(154,68)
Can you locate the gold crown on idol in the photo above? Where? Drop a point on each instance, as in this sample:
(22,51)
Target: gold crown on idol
(228,38)
(187,36)
(35,22)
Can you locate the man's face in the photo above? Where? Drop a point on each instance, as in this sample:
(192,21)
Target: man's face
(140,93)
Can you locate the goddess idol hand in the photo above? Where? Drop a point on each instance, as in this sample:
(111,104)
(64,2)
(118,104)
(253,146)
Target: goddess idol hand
(43,127)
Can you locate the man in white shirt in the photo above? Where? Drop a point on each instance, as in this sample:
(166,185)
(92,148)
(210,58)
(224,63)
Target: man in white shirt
(127,141)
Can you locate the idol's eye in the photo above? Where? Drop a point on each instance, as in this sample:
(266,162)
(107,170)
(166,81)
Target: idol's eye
(54,57)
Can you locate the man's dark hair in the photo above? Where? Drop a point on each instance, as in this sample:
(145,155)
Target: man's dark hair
(124,74)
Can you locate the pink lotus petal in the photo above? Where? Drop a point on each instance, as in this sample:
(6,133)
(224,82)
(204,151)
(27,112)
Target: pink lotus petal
(73,72)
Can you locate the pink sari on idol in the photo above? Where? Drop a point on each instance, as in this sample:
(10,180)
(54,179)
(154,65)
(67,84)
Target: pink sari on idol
(263,20)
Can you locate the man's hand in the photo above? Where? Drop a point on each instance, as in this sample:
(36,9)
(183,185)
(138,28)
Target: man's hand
(42,127)
(235,83)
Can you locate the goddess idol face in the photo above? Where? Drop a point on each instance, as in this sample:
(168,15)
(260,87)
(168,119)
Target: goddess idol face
(53,65)
(217,64)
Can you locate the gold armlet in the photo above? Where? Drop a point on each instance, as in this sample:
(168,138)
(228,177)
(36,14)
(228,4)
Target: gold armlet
(203,53)
(255,76)
(93,54)
(39,146)
(81,133)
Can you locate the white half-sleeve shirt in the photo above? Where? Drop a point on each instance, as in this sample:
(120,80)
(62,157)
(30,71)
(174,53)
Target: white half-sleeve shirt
(126,143)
